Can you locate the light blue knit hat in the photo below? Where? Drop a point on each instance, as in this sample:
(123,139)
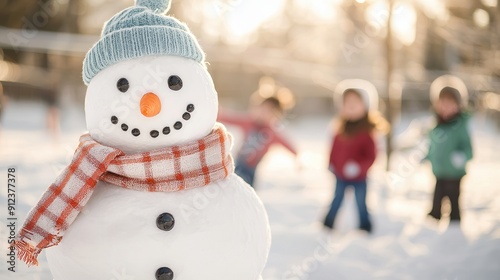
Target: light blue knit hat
(138,31)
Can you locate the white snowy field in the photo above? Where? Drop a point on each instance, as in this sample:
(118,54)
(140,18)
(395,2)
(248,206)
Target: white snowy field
(404,244)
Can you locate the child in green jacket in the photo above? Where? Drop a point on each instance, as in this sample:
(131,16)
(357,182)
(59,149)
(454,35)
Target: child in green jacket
(450,150)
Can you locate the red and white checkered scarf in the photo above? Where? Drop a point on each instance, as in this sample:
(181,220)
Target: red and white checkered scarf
(192,165)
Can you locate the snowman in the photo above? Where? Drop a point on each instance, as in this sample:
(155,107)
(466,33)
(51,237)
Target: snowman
(150,192)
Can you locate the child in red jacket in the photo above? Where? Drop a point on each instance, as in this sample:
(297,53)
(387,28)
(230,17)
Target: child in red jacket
(259,134)
(353,152)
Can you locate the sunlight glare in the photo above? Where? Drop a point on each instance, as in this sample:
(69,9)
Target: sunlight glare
(246,17)
(490,3)
(321,10)
(435,9)
(404,19)
(404,23)
(481,18)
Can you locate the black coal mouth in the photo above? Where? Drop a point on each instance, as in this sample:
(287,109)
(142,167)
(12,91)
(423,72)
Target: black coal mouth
(155,133)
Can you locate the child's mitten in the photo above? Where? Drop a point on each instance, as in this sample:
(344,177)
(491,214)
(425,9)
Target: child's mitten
(351,169)
(458,159)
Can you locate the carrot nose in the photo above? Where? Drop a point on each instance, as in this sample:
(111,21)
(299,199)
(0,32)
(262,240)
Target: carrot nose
(150,105)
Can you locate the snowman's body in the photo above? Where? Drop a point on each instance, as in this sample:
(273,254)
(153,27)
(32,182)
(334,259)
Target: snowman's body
(221,231)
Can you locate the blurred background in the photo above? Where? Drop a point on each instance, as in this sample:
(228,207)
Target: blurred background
(306,47)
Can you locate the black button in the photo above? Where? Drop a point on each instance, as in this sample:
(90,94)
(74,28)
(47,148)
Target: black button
(186,116)
(114,120)
(166,130)
(165,221)
(190,108)
(178,125)
(164,273)
(124,127)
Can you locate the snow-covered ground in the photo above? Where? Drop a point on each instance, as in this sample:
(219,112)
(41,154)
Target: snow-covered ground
(404,245)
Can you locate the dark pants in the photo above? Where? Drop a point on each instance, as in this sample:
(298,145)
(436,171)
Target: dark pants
(446,188)
(246,172)
(360,194)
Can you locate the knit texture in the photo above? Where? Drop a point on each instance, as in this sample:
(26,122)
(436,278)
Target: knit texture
(367,91)
(176,168)
(453,82)
(137,31)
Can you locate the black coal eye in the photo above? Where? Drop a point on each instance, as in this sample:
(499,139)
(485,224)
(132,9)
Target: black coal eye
(122,85)
(174,82)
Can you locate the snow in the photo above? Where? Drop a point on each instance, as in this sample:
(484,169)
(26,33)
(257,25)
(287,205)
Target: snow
(404,244)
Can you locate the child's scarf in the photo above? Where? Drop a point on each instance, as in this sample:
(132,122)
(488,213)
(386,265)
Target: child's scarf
(192,165)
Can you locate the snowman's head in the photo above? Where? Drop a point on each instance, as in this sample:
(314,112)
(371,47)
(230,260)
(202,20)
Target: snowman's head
(148,87)
(150,102)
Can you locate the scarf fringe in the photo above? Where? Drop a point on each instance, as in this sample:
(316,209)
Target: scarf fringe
(27,253)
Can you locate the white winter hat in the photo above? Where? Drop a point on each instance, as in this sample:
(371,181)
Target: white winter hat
(449,81)
(364,88)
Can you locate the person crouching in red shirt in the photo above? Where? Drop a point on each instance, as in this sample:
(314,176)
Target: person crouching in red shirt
(353,152)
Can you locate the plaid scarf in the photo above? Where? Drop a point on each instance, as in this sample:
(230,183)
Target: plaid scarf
(192,165)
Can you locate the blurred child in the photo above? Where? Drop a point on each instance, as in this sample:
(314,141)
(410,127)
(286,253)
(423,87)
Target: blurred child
(353,152)
(259,129)
(450,149)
